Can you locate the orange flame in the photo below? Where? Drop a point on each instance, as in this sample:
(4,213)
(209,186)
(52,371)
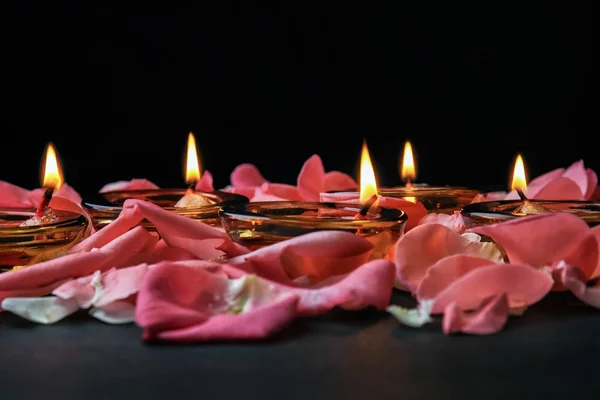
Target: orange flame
(519,180)
(192,171)
(408,171)
(368,183)
(52,172)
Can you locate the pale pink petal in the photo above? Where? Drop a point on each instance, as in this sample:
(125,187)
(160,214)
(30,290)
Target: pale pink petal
(368,285)
(340,197)
(278,190)
(560,188)
(249,192)
(14,196)
(134,184)
(336,180)
(181,303)
(425,245)
(118,312)
(119,284)
(490,196)
(311,180)
(538,183)
(43,310)
(68,192)
(33,292)
(206,182)
(265,197)
(317,255)
(544,239)
(489,317)
(453,221)
(522,284)
(246,176)
(579,175)
(575,280)
(82,290)
(592,184)
(447,270)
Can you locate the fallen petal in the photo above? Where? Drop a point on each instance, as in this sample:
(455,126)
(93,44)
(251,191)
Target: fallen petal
(489,318)
(43,310)
(311,180)
(453,221)
(575,280)
(414,317)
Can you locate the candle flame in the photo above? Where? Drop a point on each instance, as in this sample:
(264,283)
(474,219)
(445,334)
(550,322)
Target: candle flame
(192,171)
(368,183)
(408,171)
(52,173)
(519,180)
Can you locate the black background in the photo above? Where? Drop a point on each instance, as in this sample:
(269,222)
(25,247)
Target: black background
(470,85)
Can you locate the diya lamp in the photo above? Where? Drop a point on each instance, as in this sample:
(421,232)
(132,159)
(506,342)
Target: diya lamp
(198,205)
(438,199)
(489,212)
(259,224)
(31,235)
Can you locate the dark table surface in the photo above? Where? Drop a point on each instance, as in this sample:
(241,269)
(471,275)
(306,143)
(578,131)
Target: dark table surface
(553,351)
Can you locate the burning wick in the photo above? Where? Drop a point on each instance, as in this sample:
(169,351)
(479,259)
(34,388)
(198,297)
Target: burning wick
(367,206)
(408,171)
(192,177)
(39,213)
(519,182)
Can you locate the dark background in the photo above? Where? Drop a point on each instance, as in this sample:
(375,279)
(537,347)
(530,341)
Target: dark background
(470,85)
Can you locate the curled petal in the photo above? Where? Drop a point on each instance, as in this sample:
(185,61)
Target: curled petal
(592,184)
(336,180)
(489,317)
(246,176)
(575,280)
(453,221)
(544,239)
(414,317)
(446,271)
(311,180)
(561,188)
(205,184)
(522,284)
(425,245)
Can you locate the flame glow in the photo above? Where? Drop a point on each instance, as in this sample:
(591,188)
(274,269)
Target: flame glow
(192,170)
(52,172)
(519,180)
(408,171)
(368,183)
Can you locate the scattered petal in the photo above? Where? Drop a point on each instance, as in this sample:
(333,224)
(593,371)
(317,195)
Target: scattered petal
(415,317)
(489,317)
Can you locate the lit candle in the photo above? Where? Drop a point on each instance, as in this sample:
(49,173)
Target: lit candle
(51,181)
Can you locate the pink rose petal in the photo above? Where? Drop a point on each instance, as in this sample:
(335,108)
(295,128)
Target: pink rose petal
(311,180)
(205,184)
(541,181)
(453,221)
(336,180)
(592,184)
(447,270)
(279,191)
(489,317)
(316,255)
(575,280)
(544,239)
(134,184)
(522,284)
(561,188)
(425,245)
(246,176)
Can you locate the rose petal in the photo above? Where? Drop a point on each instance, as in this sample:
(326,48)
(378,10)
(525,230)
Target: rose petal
(414,317)
(560,188)
(592,184)
(317,255)
(278,190)
(425,245)
(336,180)
(134,184)
(541,181)
(246,176)
(13,196)
(579,175)
(489,317)
(43,310)
(453,221)
(205,184)
(311,180)
(522,284)
(544,239)
(575,280)
(118,312)
(447,270)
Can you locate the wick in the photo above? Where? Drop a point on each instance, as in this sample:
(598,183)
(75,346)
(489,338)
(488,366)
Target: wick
(521,194)
(191,188)
(45,202)
(367,206)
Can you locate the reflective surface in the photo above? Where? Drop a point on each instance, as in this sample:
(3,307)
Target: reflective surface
(489,212)
(259,224)
(166,198)
(24,245)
